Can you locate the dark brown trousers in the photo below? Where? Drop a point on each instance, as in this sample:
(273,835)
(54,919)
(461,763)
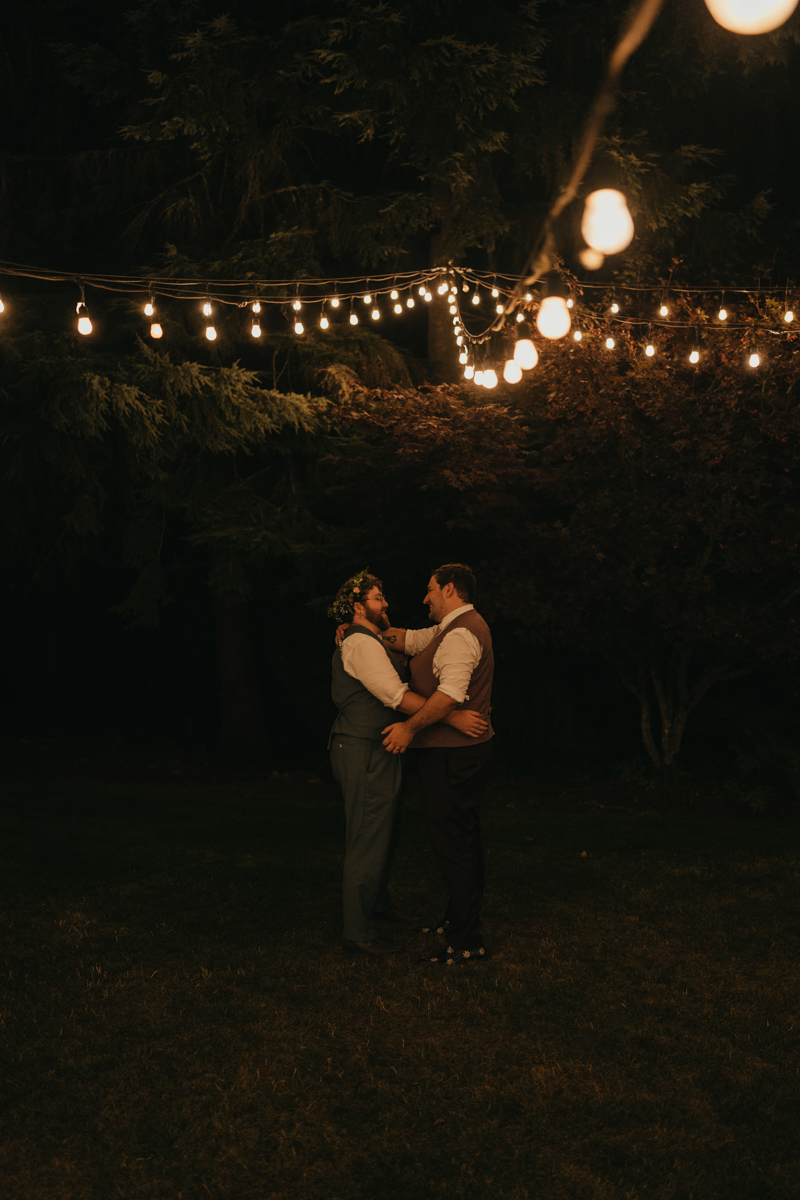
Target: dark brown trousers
(452,783)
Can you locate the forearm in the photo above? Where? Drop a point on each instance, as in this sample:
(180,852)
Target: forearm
(395,640)
(437,707)
(412,703)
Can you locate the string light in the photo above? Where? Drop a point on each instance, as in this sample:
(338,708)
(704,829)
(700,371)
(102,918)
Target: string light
(299,327)
(255,330)
(495,293)
(368,298)
(84,324)
(615,307)
(211,333)
(570,302)
(393,294)
(398,308)
(442,288)
(323,321)
(156,331)
(256,307)
(694,357)
(462,358)
(376,314)
(754,360)
(512,371)
(297,305)
(489,379)
(750,16)
(453,309)
(207,309)
(479,378)
(649,349)
(526,354)
(553,320)
(353,319)
(591,259)
(410,302)
(577,335)
(610,343)
(149,309)
(422,289)
(723,314)
(428,297)
(788,316)
(335,301)
(663,311)
(476,299)
(469,371)
(607,226)
(529,297)
(520,317)
(2,306)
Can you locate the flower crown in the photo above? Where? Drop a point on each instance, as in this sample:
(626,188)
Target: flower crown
(350,593)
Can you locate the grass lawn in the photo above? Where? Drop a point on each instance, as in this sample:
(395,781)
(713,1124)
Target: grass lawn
(181,1021)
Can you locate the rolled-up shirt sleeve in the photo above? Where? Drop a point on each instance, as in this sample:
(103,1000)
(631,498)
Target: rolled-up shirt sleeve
(367,662)
(418,639)
(454,662)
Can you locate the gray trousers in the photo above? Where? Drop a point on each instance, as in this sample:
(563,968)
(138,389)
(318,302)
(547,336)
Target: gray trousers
(370,778)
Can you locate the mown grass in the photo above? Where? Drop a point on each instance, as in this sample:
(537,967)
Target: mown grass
(182,1022)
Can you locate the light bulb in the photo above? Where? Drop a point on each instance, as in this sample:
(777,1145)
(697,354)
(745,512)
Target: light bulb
(750,16)
(498,308)
(442,288)
(410,302)
(489,379)
(520,317)
(398,308)
(649,349)
(469,372)
(615,308)
(570,302)
(335,302)
(155,330)
(256,307)
(211,333)
(577,335)
(84,324)
(694,357)
(553,320)
(723,314)
(454,289)
(529,297)
(512,371)
(462,358)
(453,310)
(479,378)
(754,360)
(323,322)
(459,340)
(465,287)
(353,319)
(663,311)
(393,294)
(297,306)
(256,330)
(495,293)
(428,296)
(148,309)
(610,343)
(298,327)
(422,290)
(206,309)
(591,259)
(607,226)
(368,299)
(376,314)
(526,354)
(2,306)
(476,299)
(788,316)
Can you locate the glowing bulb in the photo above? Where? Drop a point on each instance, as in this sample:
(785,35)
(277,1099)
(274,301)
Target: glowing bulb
(663,311)
(453,310)
(459,340)
(754,360)
(84,324)
(723,314)
(376,314)
(410,302)
(297,306)
(256,307)
(368,298)
(2,306)
(577,335)
(256,330)
(591,259)
(462,358)
(526,354)
(512,371)
(520,317)
(570,302)
(469,372)
(529,297)
(323,322)
(206,309)
(155,330)
(454,289)
(335,302)
(607,226)
(353,319)
(211,333)
(498,308)
(694,357)
(422,290)
(615,308)
(788,316)
(393,294)
(489,379)
(495,293)
(398,308)
(649,349)
(750,16)
(428,296)
(442,288)
(553,320)
(476,299)
(298,327)
(610,343)
(148,309)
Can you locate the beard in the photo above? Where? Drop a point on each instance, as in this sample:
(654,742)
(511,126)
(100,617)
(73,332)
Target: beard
(379,620)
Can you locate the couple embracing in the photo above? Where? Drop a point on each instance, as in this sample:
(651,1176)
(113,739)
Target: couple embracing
(445,695)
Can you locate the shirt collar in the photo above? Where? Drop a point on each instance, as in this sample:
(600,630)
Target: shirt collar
(451,616)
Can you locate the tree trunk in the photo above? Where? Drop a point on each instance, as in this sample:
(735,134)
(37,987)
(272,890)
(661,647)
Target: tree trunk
(243,725)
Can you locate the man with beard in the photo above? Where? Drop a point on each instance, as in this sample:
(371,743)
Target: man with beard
(451,664)
(370,686)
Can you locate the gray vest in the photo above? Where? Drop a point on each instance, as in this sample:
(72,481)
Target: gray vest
(360,713)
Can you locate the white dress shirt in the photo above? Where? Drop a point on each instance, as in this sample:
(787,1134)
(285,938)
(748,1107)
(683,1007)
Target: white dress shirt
(457,657)
(368,662)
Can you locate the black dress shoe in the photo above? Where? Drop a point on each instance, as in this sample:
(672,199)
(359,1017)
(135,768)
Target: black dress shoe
(451,957)
(376,946)
(393,916)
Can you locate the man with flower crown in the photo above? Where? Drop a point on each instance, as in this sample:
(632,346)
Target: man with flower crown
(370,686)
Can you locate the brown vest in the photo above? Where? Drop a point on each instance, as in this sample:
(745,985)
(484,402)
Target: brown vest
(479,693)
